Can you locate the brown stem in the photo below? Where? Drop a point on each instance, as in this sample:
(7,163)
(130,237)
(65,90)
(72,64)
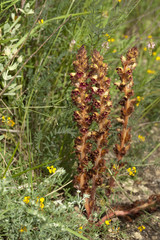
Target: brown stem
(136,207)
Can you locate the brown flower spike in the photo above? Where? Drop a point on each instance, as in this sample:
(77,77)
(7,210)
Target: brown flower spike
(102,104)
(91,81)
(81,98)
(126,84)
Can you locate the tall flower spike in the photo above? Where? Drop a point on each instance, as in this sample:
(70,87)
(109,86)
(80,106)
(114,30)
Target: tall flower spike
(101,109)
(81,98)
(126,84)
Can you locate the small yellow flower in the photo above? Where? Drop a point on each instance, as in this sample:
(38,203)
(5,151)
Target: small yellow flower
(119,0)
(138,98)
(51,169)
(151,71)
(141,138)
(131,173)
(137,104)
(134,169)
(107,222)
(80,228)
(41,205)
(41,21)
(114,51)
(141,228)
(145,49)
(126,36)
(116,230)
(158,58)
(111,40)
(150,36)
(114,166)
(3,118)
(10,122)
(26,199)
(23,229)
(154,53)
(41,199)
(107,35)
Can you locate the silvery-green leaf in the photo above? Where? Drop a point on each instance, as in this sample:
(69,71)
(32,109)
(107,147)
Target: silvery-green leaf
(6,76)
(13,67)
(17,26)
(13,31)
(14,40)
(14,50)
(1,67)
(1,137)
(9,94)
(21,10)
(19,60)
(12,86)
(6,27)
(15,89)
(27,7)
(13,16)
(7,51)
(30,12)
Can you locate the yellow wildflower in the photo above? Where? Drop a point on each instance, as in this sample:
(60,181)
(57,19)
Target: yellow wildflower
(80,229)
(119,0)
(141,228)
(145,49)
(158,58)
(107,35)
(23,229)
(141,138)
(154,53)
(41,199)
(114,166)
(10,122)
(3,118)
(41,21)
(111,40)
(41,205)
(150,36)
(132,171)
(51,169)
(116,230)
(26,199)
(126,36)
(107,222)
(114,51)
(151,71)
(139,99)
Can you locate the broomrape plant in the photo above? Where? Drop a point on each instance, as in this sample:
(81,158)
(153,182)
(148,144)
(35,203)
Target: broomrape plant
(92,98)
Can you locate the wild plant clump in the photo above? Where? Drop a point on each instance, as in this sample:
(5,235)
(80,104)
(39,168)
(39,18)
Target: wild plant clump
(92,98)
(91,95)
